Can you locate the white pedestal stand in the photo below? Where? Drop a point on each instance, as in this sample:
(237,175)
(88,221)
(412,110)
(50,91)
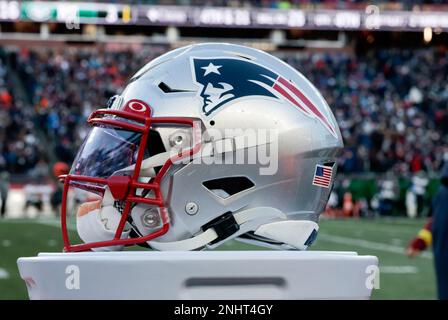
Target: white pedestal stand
(199,275)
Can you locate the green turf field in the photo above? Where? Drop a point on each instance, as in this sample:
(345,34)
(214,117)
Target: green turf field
(400,278)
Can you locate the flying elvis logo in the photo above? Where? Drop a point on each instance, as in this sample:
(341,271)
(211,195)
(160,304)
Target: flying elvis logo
(223,80)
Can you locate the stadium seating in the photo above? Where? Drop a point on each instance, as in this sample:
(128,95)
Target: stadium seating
(390,118)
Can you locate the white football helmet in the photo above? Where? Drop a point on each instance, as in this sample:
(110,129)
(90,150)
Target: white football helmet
(207,143)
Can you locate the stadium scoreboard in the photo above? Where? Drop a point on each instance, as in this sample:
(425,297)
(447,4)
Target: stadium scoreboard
(371,18)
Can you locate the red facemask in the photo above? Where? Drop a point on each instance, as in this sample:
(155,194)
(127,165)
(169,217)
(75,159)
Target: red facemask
(111,159)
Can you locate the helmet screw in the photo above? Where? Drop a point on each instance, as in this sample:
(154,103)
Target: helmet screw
(191,208)
(177,138)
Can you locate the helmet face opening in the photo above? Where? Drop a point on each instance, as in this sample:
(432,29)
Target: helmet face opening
(106,189)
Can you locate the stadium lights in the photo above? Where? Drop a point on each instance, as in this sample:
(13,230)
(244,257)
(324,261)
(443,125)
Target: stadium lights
(427,34)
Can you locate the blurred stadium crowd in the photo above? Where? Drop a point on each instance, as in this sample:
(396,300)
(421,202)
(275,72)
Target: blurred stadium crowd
(20,150)
(391,105)
(65,87)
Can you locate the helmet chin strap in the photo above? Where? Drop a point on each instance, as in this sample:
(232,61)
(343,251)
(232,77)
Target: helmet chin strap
(209,235)
(297,233)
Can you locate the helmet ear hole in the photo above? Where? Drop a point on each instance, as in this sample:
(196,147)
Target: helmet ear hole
(228,186)
(154,145)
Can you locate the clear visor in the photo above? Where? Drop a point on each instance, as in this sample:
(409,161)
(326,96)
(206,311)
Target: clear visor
(105,151)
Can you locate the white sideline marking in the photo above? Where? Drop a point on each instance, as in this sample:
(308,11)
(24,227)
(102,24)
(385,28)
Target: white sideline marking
(52,242)
(6,243)
(385,228)
(4,274)
(368,244)
(398,269)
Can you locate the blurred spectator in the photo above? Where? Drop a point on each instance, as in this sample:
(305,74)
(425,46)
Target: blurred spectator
(435,232)
(59,168)
(4,189)
(415,195)
(440,235)
(388,195)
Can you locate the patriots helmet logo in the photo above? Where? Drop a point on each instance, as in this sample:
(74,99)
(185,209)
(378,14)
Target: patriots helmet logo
(223,80)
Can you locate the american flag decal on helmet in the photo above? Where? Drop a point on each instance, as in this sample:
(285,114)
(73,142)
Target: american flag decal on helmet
(322,176)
